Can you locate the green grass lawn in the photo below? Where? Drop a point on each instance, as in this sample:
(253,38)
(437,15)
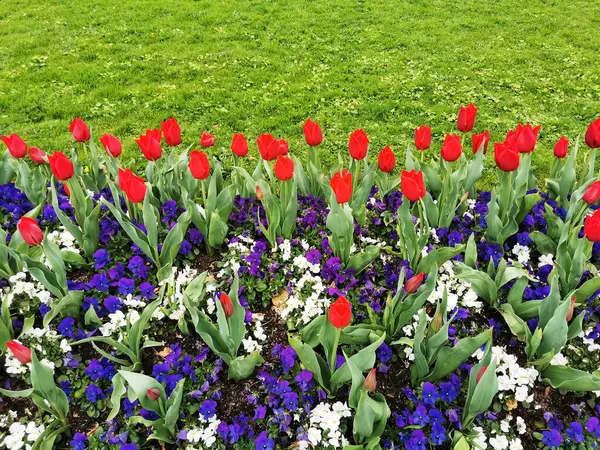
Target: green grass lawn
(266,65)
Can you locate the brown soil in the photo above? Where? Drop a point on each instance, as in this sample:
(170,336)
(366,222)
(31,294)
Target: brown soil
(390,384)
(204,262)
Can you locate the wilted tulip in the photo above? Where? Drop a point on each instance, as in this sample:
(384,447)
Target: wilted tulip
(437,322)
(22,353)
(16,146)
(79,130)
(466,118)
(171,132)
(358,145)
(571,309)
(312,133)
(371,380)
(259,193)
(226,304)
(480,373)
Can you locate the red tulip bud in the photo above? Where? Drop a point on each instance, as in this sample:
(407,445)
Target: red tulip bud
(79,130)
(571,309)
(171,131)
(466,118)
(16,146)
(413,284)
(259,193)
(561,148)
(22,353)
(358,144)
(592,194)
(239,145)
(341,184)
(226,304)
(422,137)
(312,133)
(371,381)
(480,373)
(30,231)
(153,394)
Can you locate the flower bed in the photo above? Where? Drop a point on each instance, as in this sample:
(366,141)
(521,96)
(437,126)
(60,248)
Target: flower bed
(299,306)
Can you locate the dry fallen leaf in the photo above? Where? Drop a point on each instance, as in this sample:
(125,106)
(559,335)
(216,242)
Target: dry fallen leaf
(164,352)
(511,404)
(279,300)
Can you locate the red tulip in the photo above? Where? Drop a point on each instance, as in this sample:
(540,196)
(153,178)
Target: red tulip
(37,156)
(79,130)
(207,139)
(451,148)
(592,194)
(22,353)
(283,147)
(340,313)
(268,147)
(30,231)
(423,137)
(386,160)
(412,185)
(341,183)
(284,168)
(239,145)
(171,131)
(358,144)
(111,144)
(133,186)
(124,177)
(523,138)
(561,147)
(592,135)
(259,193)
(506,156)
(312,133)
(591,227)
(16,146)
(199,165)
(226,304)
(480,139)
(480,374)
(61,166)
(571,309)
(149,144)
(66,188)
(153,394)
(466,118)
(371,380)
(413,284)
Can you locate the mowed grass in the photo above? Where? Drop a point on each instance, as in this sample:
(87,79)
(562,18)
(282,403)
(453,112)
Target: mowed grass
(265,66)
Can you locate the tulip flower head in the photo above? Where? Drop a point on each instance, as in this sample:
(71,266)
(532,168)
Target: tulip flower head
(199,165)
(259,193)
(207,139)
(312,133)
(386,160)
(149,144)
(571,309)
(111,145)
(16,146)
(451,148)
(341,184)
(591,227)
(413,284)
(592,193)
(153,394)
(171,131)
(37,156)
(61,166)
(561,147)
(358,145)
(30,231)
(133,186)
(592,135)
(412,185)
(466,118)
(506,156)
(79,130)
(284,168)
(480,139)
(340,313)
(268,147)
(226,304)
(20,352)
(423,137)
(284,148)
(523,138)
(239,145)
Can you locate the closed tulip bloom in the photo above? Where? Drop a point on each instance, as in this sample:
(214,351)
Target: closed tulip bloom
(413,284)
(79,130)
(37,156)
(466,118)
(423,137)
(480,139)
(341,184)
(523,138)
(561,147)
(386,160)
(480,374)
(61,166)
(591,227)
(239,145)
(437,322)
(149,144)
(30,231)
(451,148)
(571,309)
(358,145)
(506,156)
(226,304)
(284,148)
(592,194)
(207,139)
(412,185)
(16,146)
(124,177)
(592,135)
(268,147)
(136,190)
(284,168)
(259,193)
(312,133)
(340,313)
(171,132)
(199,165)
(111,144)
(22,353)
(153,394)
(371,380)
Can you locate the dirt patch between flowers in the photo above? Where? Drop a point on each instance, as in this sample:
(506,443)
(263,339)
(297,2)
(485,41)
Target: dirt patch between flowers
(276,331)
(390,384)
(205,262)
